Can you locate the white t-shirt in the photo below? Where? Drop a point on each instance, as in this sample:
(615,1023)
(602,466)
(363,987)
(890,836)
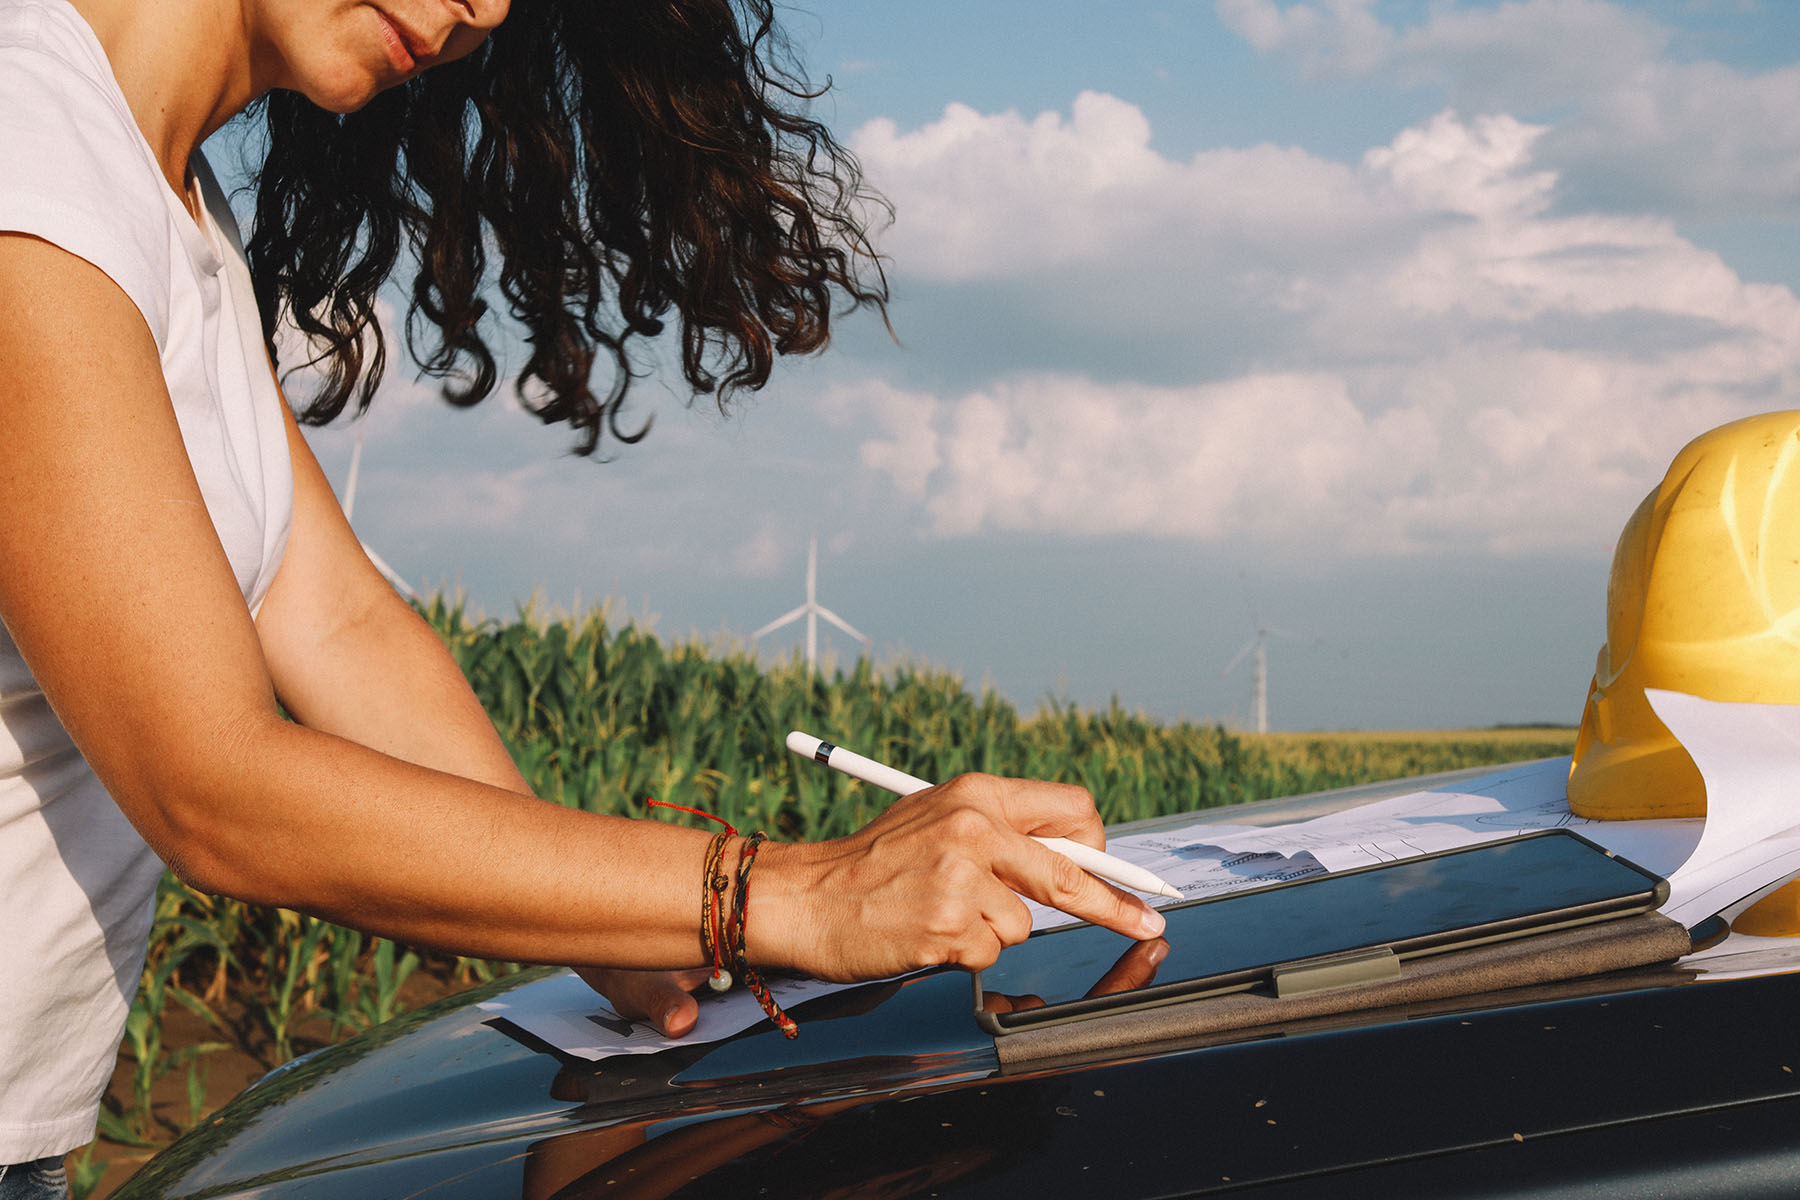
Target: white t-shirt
(77,883)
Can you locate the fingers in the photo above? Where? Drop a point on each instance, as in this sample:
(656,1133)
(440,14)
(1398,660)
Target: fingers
(1031,808)
(1054,879)
(1136,968)
(660,997)
(998,1002)
(1043,809)
(993,820)
(936,879)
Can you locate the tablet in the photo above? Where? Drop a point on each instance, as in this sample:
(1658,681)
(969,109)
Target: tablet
(1371,916)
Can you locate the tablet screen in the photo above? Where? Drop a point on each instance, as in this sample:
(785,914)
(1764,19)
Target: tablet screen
(1412,905)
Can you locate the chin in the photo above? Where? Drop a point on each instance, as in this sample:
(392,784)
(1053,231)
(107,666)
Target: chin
(347,96)
(342,102)
(344,89)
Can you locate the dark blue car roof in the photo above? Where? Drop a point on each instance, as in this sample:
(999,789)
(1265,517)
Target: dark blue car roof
(1619,1084)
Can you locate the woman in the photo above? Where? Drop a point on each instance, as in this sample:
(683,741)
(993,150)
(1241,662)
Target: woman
(174,570)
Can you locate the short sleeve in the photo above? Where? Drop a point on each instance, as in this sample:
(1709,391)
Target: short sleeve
(77,172)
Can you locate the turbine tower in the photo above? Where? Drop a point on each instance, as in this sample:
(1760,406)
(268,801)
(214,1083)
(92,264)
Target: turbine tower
(1258,647)
(812,610)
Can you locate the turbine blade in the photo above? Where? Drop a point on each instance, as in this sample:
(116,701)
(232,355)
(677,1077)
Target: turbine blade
(778,622)
(1248,647)
(841,623)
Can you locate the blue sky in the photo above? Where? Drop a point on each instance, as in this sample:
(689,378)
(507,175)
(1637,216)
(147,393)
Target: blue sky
(1372,320)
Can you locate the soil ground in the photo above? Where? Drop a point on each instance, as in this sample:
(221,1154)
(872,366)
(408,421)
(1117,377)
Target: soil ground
(222,1073)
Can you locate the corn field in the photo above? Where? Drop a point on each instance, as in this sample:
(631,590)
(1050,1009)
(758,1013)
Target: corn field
(604,718)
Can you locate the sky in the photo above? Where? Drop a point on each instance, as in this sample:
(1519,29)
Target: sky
(1363,323)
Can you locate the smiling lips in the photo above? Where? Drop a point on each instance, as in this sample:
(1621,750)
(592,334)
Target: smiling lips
(404,47)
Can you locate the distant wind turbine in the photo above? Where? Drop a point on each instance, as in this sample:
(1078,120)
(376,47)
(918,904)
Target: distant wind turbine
(349,505)
(1259,677)
(812,610)
(1258,648)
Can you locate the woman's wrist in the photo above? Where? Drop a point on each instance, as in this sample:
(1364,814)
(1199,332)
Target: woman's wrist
(783,911)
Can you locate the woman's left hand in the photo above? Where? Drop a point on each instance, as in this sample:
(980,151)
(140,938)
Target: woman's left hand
(663,998)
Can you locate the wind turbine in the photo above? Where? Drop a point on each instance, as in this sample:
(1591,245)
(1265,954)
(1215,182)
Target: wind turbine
(349,506)
(1259,677)
(812,610)
(1258,648)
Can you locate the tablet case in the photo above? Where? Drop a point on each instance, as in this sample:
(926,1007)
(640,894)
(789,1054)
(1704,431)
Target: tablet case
(1542,958)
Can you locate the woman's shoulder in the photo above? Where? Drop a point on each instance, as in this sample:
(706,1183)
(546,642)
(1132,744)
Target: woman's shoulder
(39,36)
(56,82)
(79,174)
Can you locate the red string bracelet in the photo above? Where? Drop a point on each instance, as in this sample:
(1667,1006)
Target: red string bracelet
(740,906)
(698,812)
(714,922)
(713,883)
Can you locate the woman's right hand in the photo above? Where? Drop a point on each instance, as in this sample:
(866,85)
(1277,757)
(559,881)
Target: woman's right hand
(932,881)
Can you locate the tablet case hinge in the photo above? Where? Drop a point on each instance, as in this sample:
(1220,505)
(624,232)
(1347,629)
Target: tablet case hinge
(1336,970)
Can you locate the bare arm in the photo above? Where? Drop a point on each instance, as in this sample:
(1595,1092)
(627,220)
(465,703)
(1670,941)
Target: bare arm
(117,592)
(348,656)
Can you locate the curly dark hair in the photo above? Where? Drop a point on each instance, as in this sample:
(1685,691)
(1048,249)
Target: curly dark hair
(621,159)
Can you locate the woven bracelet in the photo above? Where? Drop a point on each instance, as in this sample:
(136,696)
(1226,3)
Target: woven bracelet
(713,882)
(739,908)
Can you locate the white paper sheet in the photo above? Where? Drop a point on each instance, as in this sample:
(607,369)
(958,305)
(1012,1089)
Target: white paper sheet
(1504,804)
(1749,756)
(566,1012)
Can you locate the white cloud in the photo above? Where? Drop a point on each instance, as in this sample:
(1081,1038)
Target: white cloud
(1331,36)
(908,450)
(764,551)
(999,196)
(1643,126)
(1066,454)
(1698,135)
(486,502)
(1481,452)
(1549,50)
(1099,155)
(1458,366)
(1475,169)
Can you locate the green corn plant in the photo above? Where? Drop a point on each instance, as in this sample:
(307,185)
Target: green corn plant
(144,1037)
(379,999)
(84,1173)
(196,1091)
(344,970)
(293,963)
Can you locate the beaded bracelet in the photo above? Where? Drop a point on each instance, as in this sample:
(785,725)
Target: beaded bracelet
(713,882)
(739,907)
(716,923)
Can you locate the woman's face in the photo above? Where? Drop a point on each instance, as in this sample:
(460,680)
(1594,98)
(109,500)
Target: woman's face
(340,53)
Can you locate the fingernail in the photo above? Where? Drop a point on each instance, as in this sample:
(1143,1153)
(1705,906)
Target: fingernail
(1151,924)
(1158,951)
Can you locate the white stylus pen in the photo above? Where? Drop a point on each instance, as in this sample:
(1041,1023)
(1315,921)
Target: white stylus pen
(1096,862)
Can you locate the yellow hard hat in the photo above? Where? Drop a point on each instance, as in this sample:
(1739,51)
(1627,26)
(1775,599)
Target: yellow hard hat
(1704,598)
